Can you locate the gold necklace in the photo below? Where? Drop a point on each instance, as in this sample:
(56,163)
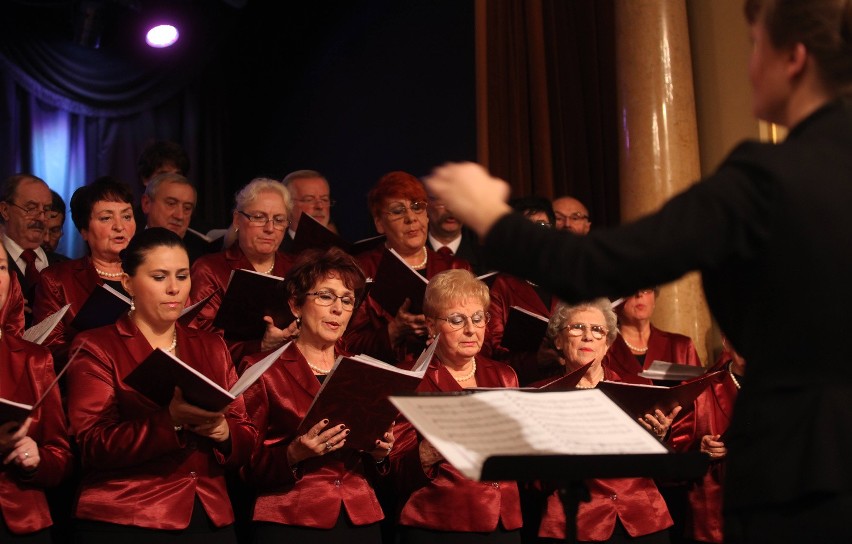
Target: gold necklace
(467,376)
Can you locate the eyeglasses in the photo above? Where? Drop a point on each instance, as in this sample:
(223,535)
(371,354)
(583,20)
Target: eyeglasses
(327,298)
(322,201)
(642,292)
(577,216)
(32,210)
(457,321)
(279,222)
(437,205)
(54,231)
(398,212)
(543,223)
(579,329)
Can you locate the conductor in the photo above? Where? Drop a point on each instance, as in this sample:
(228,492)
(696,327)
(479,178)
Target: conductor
(773,219)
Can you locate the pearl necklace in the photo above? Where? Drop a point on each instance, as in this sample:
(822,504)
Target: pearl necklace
(734,377)
(603,376)
(172,347)
(467,376)
(317,369)
(423,262)
(108,274)
(631,346)
(271,268)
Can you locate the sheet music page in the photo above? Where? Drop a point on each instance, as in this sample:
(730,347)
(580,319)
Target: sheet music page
(38,332)
(255,371)
(468,428)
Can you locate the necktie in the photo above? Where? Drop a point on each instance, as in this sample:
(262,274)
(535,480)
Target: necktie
(444,250)
(31,273)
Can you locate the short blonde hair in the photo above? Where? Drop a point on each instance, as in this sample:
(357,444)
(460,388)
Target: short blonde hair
(450,286)
(256,186)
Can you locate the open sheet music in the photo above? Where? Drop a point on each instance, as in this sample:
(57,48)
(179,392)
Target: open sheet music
(39,332)
(468,428)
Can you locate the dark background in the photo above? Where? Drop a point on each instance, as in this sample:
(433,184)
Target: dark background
(261,88)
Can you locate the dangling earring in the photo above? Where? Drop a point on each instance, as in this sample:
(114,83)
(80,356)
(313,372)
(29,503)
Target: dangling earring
(132,305)
(298,322)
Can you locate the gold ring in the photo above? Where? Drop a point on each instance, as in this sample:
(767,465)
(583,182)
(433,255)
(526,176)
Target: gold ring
(328,446)
(26,455)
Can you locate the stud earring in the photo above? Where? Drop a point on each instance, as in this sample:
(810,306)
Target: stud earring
(299,322)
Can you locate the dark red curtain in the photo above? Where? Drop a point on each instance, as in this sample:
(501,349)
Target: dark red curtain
(547,119)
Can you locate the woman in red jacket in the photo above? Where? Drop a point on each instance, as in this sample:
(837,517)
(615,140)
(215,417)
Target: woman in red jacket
(438,504)
(153,473)
(311,486)
(619,509)
(639,343)
(35,454)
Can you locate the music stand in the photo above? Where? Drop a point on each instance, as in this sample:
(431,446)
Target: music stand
(569,472)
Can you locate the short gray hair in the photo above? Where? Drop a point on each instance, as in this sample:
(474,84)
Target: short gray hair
(167,177)
(302,174)
(256,186)
(564,312)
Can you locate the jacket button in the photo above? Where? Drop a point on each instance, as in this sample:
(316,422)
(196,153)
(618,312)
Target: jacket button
(193,475)
(495,485)
(613,496)
(336,483)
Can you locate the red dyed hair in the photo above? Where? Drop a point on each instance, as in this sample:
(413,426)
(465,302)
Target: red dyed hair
(397,184)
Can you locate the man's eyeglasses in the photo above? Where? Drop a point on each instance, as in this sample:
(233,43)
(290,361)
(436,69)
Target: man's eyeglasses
(279,222)
(54,232)
(457,321)
(577,216)
(399,211)
(327,298)
(579,329)
(322,201)
(543,223)
(32,211)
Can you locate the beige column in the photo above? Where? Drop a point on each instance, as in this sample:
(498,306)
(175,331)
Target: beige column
(658,154)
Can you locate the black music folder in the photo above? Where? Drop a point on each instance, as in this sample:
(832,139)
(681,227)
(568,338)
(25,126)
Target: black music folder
(249,297)
(395,281)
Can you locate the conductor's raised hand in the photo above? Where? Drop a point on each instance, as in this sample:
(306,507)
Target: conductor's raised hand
(476,198)
(319,440)
(191,418)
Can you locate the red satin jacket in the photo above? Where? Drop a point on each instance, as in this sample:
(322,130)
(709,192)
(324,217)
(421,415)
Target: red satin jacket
(442,498)
(210,274)
(368,330)
(314,495)
(137,470)
(25,373)
(508,291)
(635,501)
(662,346)
(68,282)
(712,414)
(12,313)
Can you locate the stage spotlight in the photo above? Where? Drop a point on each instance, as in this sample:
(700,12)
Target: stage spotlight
(163,35)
